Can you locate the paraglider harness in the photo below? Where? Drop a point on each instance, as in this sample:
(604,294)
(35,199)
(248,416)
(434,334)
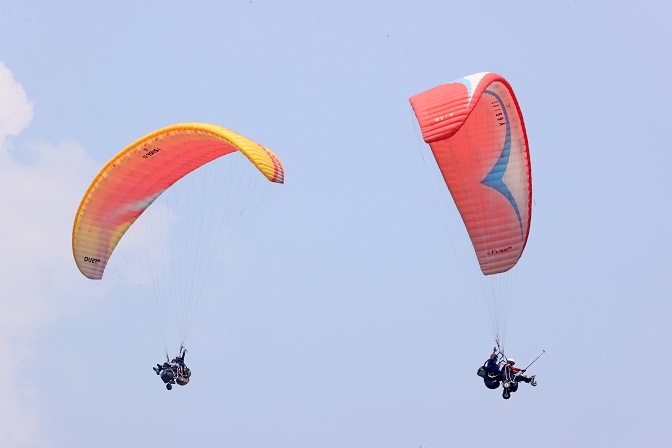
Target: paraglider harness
(510,384)
(490,372)
(491,377)
(509,377)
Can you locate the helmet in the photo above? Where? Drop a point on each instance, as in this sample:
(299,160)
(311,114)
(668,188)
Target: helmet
(510,361)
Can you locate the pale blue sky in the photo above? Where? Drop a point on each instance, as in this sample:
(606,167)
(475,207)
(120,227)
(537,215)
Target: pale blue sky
(364,334)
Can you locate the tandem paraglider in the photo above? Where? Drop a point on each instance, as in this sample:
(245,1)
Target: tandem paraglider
(176,250)
(499,369)
(475,129)
(175,371)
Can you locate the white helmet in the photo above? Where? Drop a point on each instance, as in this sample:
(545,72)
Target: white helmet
(510,361)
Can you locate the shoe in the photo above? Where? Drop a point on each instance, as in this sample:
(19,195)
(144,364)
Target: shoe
(534,380)
(156,370)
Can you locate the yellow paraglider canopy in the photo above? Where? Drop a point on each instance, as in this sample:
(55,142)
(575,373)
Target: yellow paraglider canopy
(135,177)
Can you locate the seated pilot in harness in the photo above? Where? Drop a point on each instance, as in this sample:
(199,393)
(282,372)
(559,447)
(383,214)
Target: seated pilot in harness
(490,371)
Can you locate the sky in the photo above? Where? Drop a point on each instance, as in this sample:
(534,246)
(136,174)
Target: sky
(362,331)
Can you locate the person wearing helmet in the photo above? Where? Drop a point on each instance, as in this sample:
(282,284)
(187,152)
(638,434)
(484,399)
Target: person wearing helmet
(512,373)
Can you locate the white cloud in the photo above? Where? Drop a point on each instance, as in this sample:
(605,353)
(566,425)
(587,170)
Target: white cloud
(15,109)
(38,202)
